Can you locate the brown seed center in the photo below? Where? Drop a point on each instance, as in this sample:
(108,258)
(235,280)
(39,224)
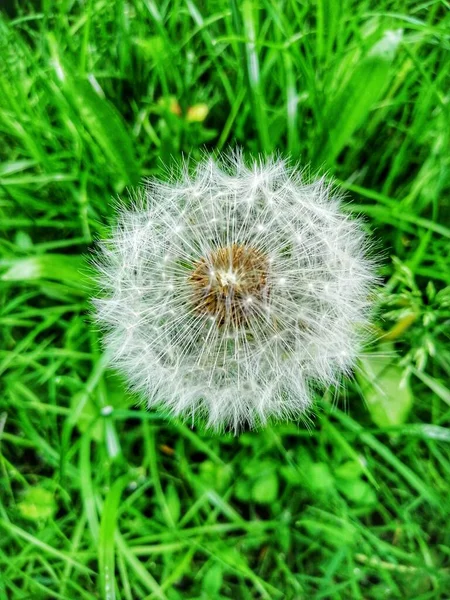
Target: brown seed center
(230,284)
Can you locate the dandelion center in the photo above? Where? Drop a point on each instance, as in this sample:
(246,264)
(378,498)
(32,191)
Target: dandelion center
(230,284)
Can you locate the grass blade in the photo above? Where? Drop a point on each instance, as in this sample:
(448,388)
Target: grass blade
(106,547)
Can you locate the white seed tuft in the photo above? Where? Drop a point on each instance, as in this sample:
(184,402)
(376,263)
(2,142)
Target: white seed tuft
(228,293)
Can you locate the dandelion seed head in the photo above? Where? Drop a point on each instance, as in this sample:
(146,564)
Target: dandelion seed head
(225,284)
(234,290)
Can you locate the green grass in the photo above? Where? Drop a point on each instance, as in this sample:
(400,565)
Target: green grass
(101,499)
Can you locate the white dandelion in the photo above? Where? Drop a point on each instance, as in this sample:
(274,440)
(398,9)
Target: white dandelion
(232,292)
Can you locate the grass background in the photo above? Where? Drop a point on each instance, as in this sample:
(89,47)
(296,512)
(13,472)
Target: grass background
(101,499)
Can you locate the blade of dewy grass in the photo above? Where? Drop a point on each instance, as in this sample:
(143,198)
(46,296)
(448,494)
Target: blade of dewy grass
(106,547)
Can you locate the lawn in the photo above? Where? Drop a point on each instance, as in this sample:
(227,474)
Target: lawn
(103,499)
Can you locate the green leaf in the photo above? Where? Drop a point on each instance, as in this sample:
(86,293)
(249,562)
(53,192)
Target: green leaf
(173,502)
(329,533)
(351,469)
(87,415)
(358,491)
(106,550)
(151,48)
(386,391)
(327,25)
(435,386)
(58,267)
(108,129)
(320,477)
(292,475)
(367,82)
(99,118)
(37,503)
(212,581)
(265,489)
(214,475)
(243,490)
(253,73)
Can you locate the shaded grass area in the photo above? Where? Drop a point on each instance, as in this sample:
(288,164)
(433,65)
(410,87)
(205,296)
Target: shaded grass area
(102,499)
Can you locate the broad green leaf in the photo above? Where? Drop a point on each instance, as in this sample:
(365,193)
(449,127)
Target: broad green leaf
(212,580)
(108,129)
(292,475)
(349,109)
(57,267)
(99,118)
(243,490)
(265,489)
(386,391)
(358,491)
(215,475)
(37,503)
(232,557)
(351,469)
(319,477)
